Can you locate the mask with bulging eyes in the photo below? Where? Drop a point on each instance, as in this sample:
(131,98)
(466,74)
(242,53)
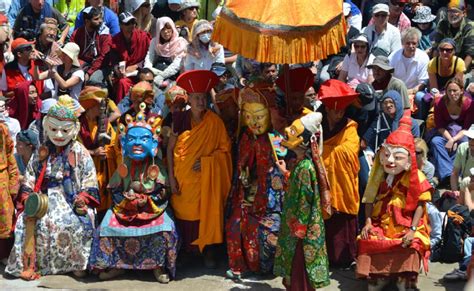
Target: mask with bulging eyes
(139,144)
(293,135)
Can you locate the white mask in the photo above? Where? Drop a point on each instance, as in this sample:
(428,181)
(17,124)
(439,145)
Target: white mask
(59,132)
(205,37)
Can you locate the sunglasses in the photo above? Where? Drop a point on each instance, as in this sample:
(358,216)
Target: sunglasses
(418,153)
(446,50)
(380,15)
(399,4)
(26,49)
(360,46)
(310,95)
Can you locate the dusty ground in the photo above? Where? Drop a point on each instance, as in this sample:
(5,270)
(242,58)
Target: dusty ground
(196,278)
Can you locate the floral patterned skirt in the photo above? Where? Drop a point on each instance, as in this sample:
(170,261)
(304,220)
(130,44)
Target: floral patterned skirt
(147,252)
(63,240)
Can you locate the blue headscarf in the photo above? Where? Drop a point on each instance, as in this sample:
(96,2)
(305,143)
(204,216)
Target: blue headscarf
(397,100)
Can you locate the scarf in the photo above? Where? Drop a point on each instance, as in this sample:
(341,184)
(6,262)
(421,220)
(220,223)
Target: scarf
(175,46)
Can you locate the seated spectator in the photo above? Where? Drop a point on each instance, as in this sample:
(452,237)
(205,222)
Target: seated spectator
(94,45)
(387,121)
(12,123)
(142,92)
(425,21)
(46,43)
(141,9)
(459,28)
(356,16)
(189,12)
(245,69)
(383,79)
(70,10)
(445,66)
(410,63)
(354,67)
(129,46)
(396,16)
(19,77)
(384,38)
(37,124)
(16,6)
(464,161)
(453,114)
(111,21)
(168,8)
(68,77)
(28,21)
(26,145)
(166,52)
(202,52)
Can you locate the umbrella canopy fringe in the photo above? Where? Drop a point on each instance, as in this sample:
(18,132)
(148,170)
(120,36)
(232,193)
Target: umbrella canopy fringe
(289,47)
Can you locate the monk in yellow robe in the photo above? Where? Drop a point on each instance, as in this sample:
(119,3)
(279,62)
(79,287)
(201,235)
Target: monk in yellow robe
(200,167)
(395,238)
(106,155)
(340,156)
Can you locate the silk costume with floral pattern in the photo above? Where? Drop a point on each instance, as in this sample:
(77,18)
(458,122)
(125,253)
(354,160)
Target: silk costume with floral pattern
(302,219)
(252,229)
(63,238)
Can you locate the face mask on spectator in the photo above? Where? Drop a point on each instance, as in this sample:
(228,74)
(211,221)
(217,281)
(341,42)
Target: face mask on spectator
(205,37)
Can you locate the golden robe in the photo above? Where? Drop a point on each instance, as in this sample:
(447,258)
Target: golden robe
(203,193)
(340,156)
(9,184)
(105,168)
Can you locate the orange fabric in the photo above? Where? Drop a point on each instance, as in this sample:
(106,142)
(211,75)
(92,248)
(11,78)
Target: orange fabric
(259,30)
(340,156)
(203,193)
(106,168)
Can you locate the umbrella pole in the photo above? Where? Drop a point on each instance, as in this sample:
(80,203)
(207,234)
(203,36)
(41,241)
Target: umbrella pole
(286,75)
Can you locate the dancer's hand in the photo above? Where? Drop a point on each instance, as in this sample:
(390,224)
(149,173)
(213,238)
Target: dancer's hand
(366,231)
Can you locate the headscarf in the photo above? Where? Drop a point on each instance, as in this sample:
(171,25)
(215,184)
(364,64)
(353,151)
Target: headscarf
(175,46)
(194,48)
(397,101)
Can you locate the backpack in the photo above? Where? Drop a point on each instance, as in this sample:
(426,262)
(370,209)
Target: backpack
(456,227)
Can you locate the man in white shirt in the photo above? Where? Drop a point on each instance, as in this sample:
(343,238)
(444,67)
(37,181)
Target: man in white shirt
(411,63)
(384,38)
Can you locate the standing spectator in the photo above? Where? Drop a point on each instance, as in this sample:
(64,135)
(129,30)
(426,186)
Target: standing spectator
(425,22)
(166,51)
(111,21)
(340,156)
(354,67)
(28,21)
(459,28)
(167,8)
(94,45)
(19,77)
(383,79)
(384,38)
(453,114)
(202,52)
(129,46)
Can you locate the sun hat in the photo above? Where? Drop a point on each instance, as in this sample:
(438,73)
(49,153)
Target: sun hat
(71,49)
(185,4)
(381,62)
(423,15)
(470,132)
(380,8)
(360,37)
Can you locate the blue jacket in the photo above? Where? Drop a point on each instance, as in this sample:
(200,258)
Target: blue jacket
(15,8)
(383,125)
(110,20)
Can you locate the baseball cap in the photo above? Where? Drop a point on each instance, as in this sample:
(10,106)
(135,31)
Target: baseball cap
(126,17)
(380,8)
(20,42)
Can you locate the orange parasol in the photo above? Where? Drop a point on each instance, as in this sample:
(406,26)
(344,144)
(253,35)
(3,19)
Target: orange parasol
(281,31)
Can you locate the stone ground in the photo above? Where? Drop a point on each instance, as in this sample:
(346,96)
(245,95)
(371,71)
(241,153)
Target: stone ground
(196,278)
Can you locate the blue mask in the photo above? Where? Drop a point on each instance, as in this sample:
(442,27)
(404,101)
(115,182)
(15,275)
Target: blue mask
(139,144)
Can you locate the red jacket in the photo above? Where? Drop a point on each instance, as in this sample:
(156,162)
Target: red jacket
(103,44)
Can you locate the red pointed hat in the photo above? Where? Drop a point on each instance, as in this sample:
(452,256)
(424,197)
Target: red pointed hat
(197,81)
(335,94)
(403,137)
(300,80)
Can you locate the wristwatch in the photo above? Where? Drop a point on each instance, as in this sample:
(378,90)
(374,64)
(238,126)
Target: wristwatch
(413,228)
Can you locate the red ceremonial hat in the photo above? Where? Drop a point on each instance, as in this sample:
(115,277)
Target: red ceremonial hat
(197,81)
(335,94)
(300,80)
(403,137)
